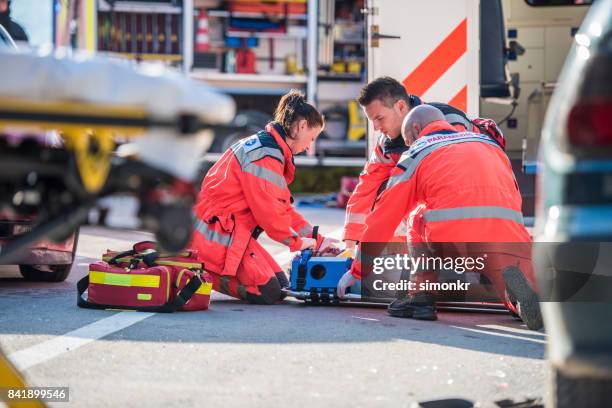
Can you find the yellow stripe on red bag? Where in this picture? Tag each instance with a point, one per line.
(118, 279)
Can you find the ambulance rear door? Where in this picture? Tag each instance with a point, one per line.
(432, 47)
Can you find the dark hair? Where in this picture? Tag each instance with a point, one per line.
(385, 89)
(293, 107)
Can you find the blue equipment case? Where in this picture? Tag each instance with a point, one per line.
(315, 278)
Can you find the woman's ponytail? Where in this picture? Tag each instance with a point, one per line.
(293, 107)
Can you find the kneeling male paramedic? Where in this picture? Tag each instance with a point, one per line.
(466, 183)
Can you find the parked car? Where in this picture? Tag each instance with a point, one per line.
(574, 219)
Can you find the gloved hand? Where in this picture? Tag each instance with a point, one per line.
(328, 245)
(350, 247)
(345, 282)
(350, 244)
(308, 243)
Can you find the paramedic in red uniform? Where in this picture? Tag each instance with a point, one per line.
(470, 195)
(247, 192)
(386, 103)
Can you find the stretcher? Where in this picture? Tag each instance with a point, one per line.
(314, 279)
(164, 120)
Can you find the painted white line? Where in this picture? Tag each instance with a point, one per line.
(512, 330)
(511, 336)
(49, 349)
(365, 318)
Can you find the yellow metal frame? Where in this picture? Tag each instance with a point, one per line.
(83, 128)
(10, 378)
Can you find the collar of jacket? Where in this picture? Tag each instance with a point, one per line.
(278, 133)
(439, 126)
(396, 145)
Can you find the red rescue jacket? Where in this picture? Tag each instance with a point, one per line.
(245, 192)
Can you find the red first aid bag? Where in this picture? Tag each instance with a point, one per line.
(147, 280)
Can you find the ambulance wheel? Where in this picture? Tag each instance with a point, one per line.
(579, 391)
(45, 273)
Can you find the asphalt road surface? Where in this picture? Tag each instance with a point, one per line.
(237, 354)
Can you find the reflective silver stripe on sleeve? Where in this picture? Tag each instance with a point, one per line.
(355, 218)
(246, 158)
(453, 118)
(266, 174)
(294, 234)
(463, 213)
(410, 163)
(401, 230)
(212, 235)
(305, 230)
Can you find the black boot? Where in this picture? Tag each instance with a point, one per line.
(528, 303)
(421, 306)
(284, 283)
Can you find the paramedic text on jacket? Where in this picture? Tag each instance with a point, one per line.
(246, 192)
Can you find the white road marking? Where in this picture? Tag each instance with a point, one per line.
(511, 336)
(512, 330)
(365, 318)
(57, 346)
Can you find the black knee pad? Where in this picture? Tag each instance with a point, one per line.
(282, 279)
(270, 293)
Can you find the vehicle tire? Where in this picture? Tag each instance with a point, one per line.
(580, 392)
(58, 273)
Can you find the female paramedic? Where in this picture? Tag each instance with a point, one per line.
(246, 192)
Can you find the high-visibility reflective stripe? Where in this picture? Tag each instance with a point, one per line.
(205, 289)
(305, 230)
(212, 235)
(120, 279)
(463, 213)
(454, 118)
(157, 261)
(246, 158)
(410, 163)
(266, 174)
(355, 218)
(177, 263)
(401, 230)
(287, 241)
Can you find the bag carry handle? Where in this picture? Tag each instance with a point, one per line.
(172, 306)
(148, 258)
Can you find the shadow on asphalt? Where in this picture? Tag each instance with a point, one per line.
(52, 310)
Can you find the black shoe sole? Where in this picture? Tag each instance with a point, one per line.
(529, 304)
(419, 313)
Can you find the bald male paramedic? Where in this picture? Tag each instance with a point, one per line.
(466, 183)
(386, 104)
